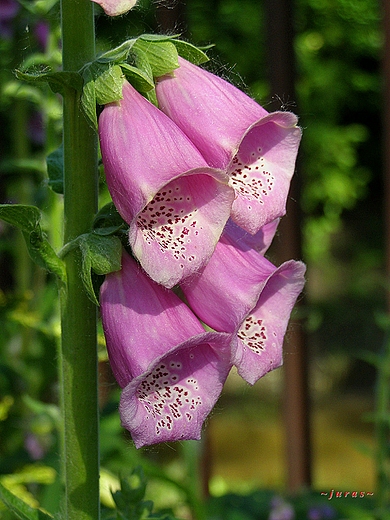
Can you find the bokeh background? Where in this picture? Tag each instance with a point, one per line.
(322, 59)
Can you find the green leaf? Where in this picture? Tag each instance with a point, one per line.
(58, 81)
(100, 254)
(20, 508)
(55, 170)
(190, 52)
(27, 219)
(108, 85)
(162, 55)
(24, 217)
(43, 254)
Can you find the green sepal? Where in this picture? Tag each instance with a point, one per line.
(102, 84)
(108, 84)
(140, 80)
(162, 55)
(100, 254)
(55, 170)
(88, 98)
(59, 82)
(190, 52)
(157, 37)
(118, 54)
(20, 508)
(142, 63)
(152, 97)
(27, 219)
(103, 80)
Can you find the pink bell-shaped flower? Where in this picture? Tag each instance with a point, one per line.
(257, 149)
(241, 292)
(171, 370)
(175, 204)
(116, 7)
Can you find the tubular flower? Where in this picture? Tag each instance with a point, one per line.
(241, 292)
(116, 7)
(257, 149)
(170, 369)
(175, 204)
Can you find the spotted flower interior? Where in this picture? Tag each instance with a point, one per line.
(260, 178)
(175, 397)
(175, 234)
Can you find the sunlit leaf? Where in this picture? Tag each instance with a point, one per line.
(190, 52)
(162, 55)
(20, 508)
(27, 219)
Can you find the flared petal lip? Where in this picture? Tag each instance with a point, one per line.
(219, 341)
(283, 119)
(219, 175)
(300, 270)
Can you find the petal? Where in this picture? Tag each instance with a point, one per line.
(116, 7)
(260, 336)
(176, 233)
(261, 171)
(145, 155)
(228, 287)
(141, 320)
(241, 292)
(233, 132)
(172, 399)
(170, 369)
(213, 113)
(244, 241)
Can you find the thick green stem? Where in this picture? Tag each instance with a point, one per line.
(79, 337)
